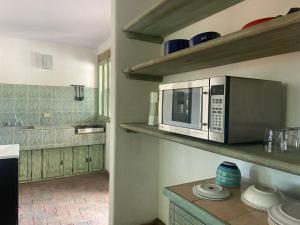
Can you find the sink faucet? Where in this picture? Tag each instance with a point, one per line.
(15, 122)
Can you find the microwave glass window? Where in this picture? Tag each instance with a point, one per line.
(217, 89)
(182, 105)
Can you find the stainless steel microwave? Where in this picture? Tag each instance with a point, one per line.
(223, 109)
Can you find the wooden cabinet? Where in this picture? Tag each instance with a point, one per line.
(60, 162)
(96, 153)
(52, 163)
(81, 159)
(36, 164)
(180, 216)
(25, 166)
(68, 161)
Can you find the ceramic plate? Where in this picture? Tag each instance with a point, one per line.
(285, 214)
(206, 198)
(271, 222)
(211, 191)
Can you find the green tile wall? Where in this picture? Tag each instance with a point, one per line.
(30, 102)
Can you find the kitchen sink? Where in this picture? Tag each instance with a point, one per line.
(26, 127)
(89, 128)
(20, 127)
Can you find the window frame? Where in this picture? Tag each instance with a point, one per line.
(104, 84)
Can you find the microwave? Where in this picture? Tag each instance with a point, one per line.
(223, 109)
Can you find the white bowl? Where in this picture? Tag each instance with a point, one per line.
(285, 214)
(262, 197)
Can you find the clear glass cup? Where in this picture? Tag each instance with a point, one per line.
(281, 141)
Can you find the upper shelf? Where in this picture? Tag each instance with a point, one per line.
(167, 16)
(274, 37)
(254, 153)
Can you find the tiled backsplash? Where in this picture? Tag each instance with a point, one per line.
(30, 102)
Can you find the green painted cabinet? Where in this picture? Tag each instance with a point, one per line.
(96, 153)
(36, 164)
(52, 163)
(25, 166)
(68, 161)
(81, 159)
(60, 162)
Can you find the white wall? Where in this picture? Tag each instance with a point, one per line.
(104, 46)
(179, 163)
(134, 158)
(19, 63)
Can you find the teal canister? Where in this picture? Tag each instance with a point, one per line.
(228, 175)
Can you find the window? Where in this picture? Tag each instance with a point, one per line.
(104, 84)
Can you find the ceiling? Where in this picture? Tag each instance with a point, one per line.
(83, 23)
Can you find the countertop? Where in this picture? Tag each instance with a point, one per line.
(8, 128)
(231, 211)
(9, 151)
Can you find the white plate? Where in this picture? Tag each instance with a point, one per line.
(206, 198)
(262, 197)
(271, 222)
(285, 214)
(211, 191)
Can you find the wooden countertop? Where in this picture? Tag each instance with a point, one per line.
(231, 211)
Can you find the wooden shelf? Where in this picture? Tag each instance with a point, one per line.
(254, 153)
(274, 37)
(168, 16)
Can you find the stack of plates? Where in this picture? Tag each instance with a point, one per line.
(284, 214)
(211, 192)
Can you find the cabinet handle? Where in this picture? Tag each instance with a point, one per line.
(90, 159)
(61, 162)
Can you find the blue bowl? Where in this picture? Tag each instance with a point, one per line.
(228, 175)
(176, 45)
(203, 37)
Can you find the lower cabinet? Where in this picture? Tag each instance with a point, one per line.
(36, 164)
(53, 163)
(178, 216)
(59, 162)
(68, 161)
(96, 156)
(81, 159)
(25, 166)
(88, 159)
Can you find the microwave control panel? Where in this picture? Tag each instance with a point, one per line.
(217, 103)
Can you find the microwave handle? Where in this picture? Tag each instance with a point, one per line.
(205, 108)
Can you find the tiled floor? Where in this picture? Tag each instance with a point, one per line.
(80, 200)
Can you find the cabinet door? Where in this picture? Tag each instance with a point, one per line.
(80, 163)
(36, 164)
(95, 158)
(68, 161)
(25, 166)
(52, 163)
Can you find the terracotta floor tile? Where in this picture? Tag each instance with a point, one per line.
(80, 200)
